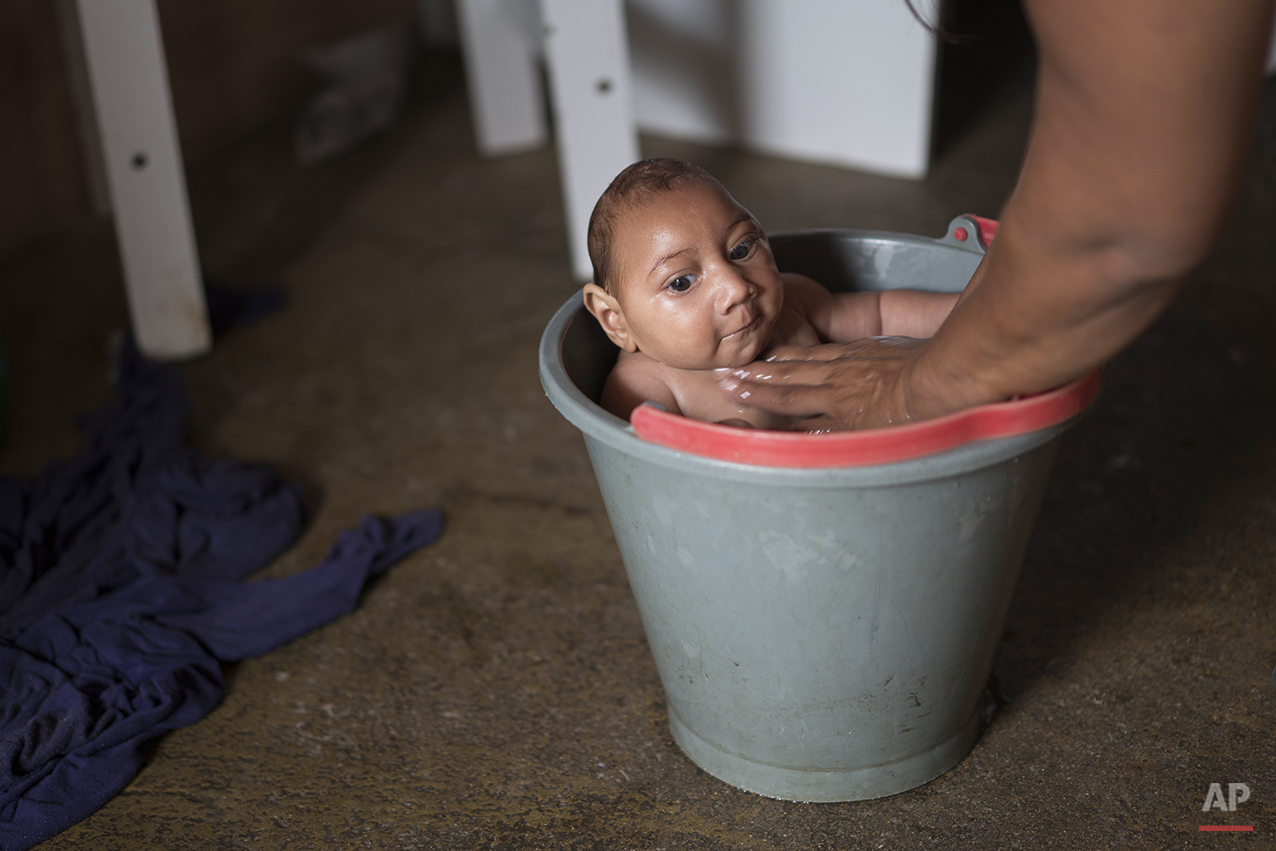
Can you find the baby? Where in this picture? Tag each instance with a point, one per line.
(685, 283)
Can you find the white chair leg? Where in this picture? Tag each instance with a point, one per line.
(500, 47)
(129, 82)
(587, 53)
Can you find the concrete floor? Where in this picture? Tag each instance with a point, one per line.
(495, 690)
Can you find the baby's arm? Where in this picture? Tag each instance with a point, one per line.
(915, 313)
(636, 379)
(846, 317)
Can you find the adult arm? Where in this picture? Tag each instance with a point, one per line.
(1143, 120)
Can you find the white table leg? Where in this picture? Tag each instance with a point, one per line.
(587, 53)
(500, 46)
(129, 82)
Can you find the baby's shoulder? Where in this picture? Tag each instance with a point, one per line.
(802, 291)
(635, 379)
(636, 366)
(803, 299)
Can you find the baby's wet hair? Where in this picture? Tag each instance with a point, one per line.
(630, 188)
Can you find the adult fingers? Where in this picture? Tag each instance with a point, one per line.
(873, 348)
(864, 387)
(839, 390)
(777, 391)
(824, 353)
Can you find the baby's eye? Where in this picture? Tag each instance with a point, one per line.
(742, 250)
(682, 283)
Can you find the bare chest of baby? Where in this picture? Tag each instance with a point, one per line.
(696, 391)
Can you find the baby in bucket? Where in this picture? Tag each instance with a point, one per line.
(685, 283)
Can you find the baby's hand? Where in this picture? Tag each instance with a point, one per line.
(736, 422)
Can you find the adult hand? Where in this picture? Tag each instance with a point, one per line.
(867, 383)
(1144, 117)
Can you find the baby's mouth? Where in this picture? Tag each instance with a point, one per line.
(745, 327)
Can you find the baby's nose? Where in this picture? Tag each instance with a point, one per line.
(733, 288)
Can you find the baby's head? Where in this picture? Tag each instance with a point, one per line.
(682, 272)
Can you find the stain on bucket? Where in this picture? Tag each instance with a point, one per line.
(822, 633)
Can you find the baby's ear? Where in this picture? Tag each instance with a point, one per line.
(609, 315)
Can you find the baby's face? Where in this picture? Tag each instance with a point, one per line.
(697, 284)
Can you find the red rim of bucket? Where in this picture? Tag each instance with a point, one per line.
(870, 446)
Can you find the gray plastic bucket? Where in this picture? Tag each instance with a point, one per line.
(821, 634)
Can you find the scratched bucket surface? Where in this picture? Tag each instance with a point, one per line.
(821, 634)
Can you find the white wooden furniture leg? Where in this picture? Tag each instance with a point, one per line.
(500, 46)
(129, 82)
(587, 53)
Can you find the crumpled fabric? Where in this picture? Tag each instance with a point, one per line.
(122, 592)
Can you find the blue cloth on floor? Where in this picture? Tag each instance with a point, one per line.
(123, 592)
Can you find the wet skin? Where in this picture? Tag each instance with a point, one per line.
(697, 289)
